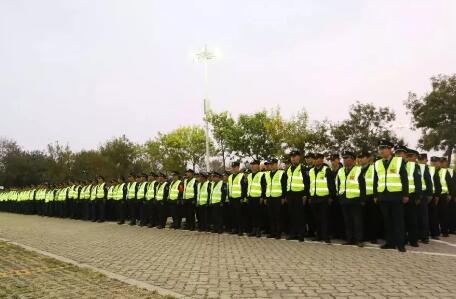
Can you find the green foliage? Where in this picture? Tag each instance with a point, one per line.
(435, 114)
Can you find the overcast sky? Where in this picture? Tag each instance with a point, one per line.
(84, 71)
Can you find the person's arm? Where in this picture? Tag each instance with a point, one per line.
(375, 183)
(124, 192)
(362, 187)
(195, 191)
(264, 186)
(417, 180)
(428, 181)
(180, 188)
(224, 192)
(105, 192)
(404, 180)
(449, 182)
(331, 183)
(437, 184)
(306, 179)
(166, 192)
(283, 183)
(244, 187)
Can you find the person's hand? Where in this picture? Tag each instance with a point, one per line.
(304, 199)
(284, 200)
(375, 200)
(405, 199)
(330, 201)
(428, 199)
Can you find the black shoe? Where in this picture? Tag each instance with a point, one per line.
(301, 239)
(120, 222)
(348, 243)
(316, 239)
(414, 244)
(386, 246)
(270, 236)
(373, 241)
(291, 237)
(240, 234)
(278, 236)
(359, 244)
(401, 249)
(160, 227)
(251, 234)
(258, 234)
(425, 241)
(435, 238)
(445, 235)
(328, 241)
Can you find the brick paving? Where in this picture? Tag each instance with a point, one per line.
(25, 274)
(205, 265)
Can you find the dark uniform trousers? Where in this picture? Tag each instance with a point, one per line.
(353, 219)
(434, 217)
(122, 208)
(274, 205)
(452, 209)
(337, 219)
(144, 212)
(189, 208)
(444, 214)
(217, 217)
(373, 220)
(393, 218)
(175, 212)
(423, 219)
(411, 219)
(162, 209)
(133, 210)
(320, 209)
(295, 214)
(254, 213)
(201, 214)
(100, 212)
(152, 213)
(236, 215)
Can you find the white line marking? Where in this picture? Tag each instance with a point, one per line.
(444, 242)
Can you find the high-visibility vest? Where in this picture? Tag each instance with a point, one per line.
(450, 171)
(189, 188)
(111, 192)
(216, 193)
(369, 178)
(31, 195)
(202, 196)
(93, 192)
(119, 192)
(49, 196)
(174, 190)
(442, 177)
(410, 166)
(423, 182)
(318, 182)
(161, 191)
(274, 184)
(389, 179)
(88, 192)
(141, 194)
(349, 185)
(71, 192)
(254, 184)
(131, 190)
(234, 185)
(150, 193)
(100, 191)
(432, 173)
(62, 194)
(295, 181)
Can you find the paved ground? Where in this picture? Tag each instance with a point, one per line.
(25, 274)
(226, 266)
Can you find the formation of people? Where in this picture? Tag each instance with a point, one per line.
(399, 197)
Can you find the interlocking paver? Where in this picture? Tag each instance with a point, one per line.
(211, 265)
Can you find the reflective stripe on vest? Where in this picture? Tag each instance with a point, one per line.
(234, 185)
(131, 190)
(174, 190)
(319, 182)
(189, 188)
(150, 193)
(161, 191)
(274, 184)
(369, 178)
(216, 193)
(111, 192)
(141, 191)
(442, 176)
(119, 192)
(202, 193)
(100, 191)
(254, 184)
(410, 166)
(423, 182)
(389, 179)
(295, 181)
(349, 185)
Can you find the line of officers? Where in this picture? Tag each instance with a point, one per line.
(398, 198)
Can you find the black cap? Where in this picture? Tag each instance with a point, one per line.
(189, 171)
(443, 159)
(295, 153)
(422, 156)
(161, 174)
(385, 143)
(310, 155)
(274, 161)
(152, 174)
(236, 164)
(215, 173)
(364, 154)
(203, 174)
(175, 173)
(318, 156)
(334, 156)
(266, 162)
(400, 148)
(255, 162)
(412, 152)
(348, 154)
(434, 159)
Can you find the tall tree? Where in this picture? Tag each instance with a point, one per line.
(435, 114)
(363, 129)
(222, 130)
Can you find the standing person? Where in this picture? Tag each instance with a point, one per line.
(92, 202)
(322, 192)
(149, 214)
(237, 190)
(161, 197)
(256, 192)
(351, 188)
(189, 201)
(120, 198)
(391, 188)
(100, 201)
(433, 210)
(202, 202)
(335, 210)
(140, 197)
(176, 189)
(425, 199)
(110, 212)
(132, 205)
(443, 193)
(297, 190)
(308, 216)
(275, 197)
(372, 215)
(217, 200)
(415, 192)
(451, 195)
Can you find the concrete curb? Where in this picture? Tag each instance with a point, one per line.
(121, 278)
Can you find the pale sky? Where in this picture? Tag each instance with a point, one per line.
(84, 71)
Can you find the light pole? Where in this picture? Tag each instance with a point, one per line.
(205, 56)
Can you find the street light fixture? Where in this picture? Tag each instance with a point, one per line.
(204, 56)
